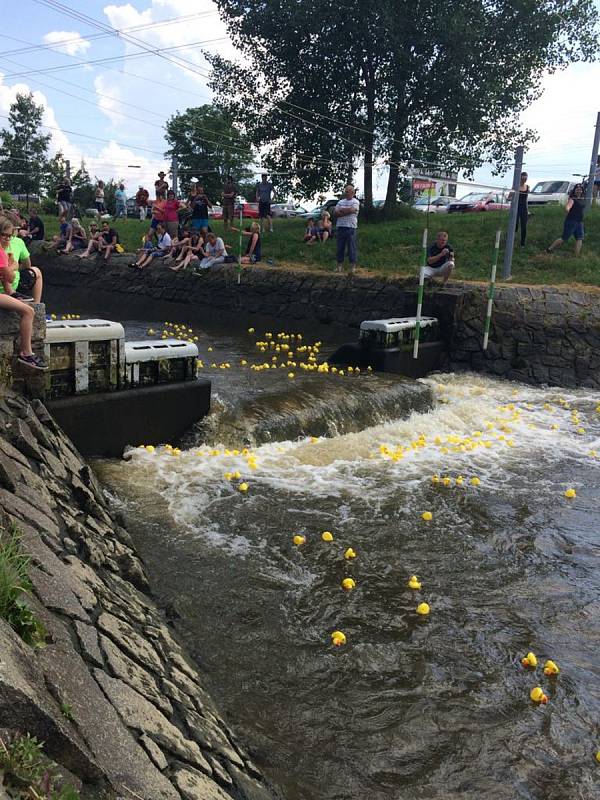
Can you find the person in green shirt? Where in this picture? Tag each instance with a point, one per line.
(32, 276)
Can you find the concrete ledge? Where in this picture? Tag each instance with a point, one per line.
(104, 424)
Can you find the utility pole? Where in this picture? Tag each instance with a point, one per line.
(593, 165)
(174, 174)
(512, 217)
(68, 169)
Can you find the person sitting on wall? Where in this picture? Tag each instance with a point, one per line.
(8, 302)
(108, 241)
(440, 258)
(64, 230)
(253, 252)
(163, 246)
(191, 253)
(215, 252)
(35, 227)
(76, 240)
(28, 278)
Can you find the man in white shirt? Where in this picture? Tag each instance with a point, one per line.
(346, 213)
(215, 251)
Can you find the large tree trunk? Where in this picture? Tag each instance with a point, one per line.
(391, 194)
(369, 78)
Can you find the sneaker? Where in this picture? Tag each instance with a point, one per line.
(32, 361)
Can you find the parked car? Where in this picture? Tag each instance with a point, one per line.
(433, 205)
(316, 212)
(249, 210)
(287, 210)
(479, 201)
(550, 192)
(216, 212)
(133, 210)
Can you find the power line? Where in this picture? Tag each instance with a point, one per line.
(126, 56)
(95, 36)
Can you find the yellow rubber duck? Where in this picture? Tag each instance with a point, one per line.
(435, 478)
(338, 638)
(149, 448)
(290, 374)
(551, 668)
(530, 660)
(427, 516)
(570, 494)
(250, 330)
(538, 696)
(414, 582)
(475, 481)
(348, 584)
(423, 609)
(299, 540)
(460, 480)
(598, 753)
(228, 476)
(327, 536)
(447, 481)
(350, 554)
(243, 488)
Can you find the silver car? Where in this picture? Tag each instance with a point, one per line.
(433, 205)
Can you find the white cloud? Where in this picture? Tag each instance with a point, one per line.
(69, 42)
(108, 98)
(106, 161)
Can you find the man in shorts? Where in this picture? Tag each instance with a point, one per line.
(440, 258)
(264, 193)
(228, 195)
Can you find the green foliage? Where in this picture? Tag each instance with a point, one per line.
(437, 86)
(23, 148)
(208, 146)
(5, 199)
(83, 188)
(67, 711)
(28, 774)
(56, 170)
(14, 585)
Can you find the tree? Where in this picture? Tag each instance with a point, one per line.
(83, 188)
(208, 146)
(410, 82)
(23, 149)
(56, 171)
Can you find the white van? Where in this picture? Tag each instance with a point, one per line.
(550, 192)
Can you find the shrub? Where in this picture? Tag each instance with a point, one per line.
(14, 586)
(26, 773)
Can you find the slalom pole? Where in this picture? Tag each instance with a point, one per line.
(420, 295)
(491, 290)
(240, 261)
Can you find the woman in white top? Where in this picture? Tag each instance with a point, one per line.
(99, 198)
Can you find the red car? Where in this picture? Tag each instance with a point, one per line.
(479, 201)
(249, 210)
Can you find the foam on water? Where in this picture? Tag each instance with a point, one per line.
(478, 426)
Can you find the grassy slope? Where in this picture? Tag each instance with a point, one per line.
(394, 247)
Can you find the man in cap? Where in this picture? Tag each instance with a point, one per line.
(161, 186)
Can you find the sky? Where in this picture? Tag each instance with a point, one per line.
(111, 112)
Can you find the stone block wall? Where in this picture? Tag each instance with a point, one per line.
(12, 373)
(139, 722)
(539, 335)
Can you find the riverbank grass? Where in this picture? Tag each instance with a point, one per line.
(394, 248)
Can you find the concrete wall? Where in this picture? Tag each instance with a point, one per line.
(539, 334)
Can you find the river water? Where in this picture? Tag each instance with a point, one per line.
(427, 708)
